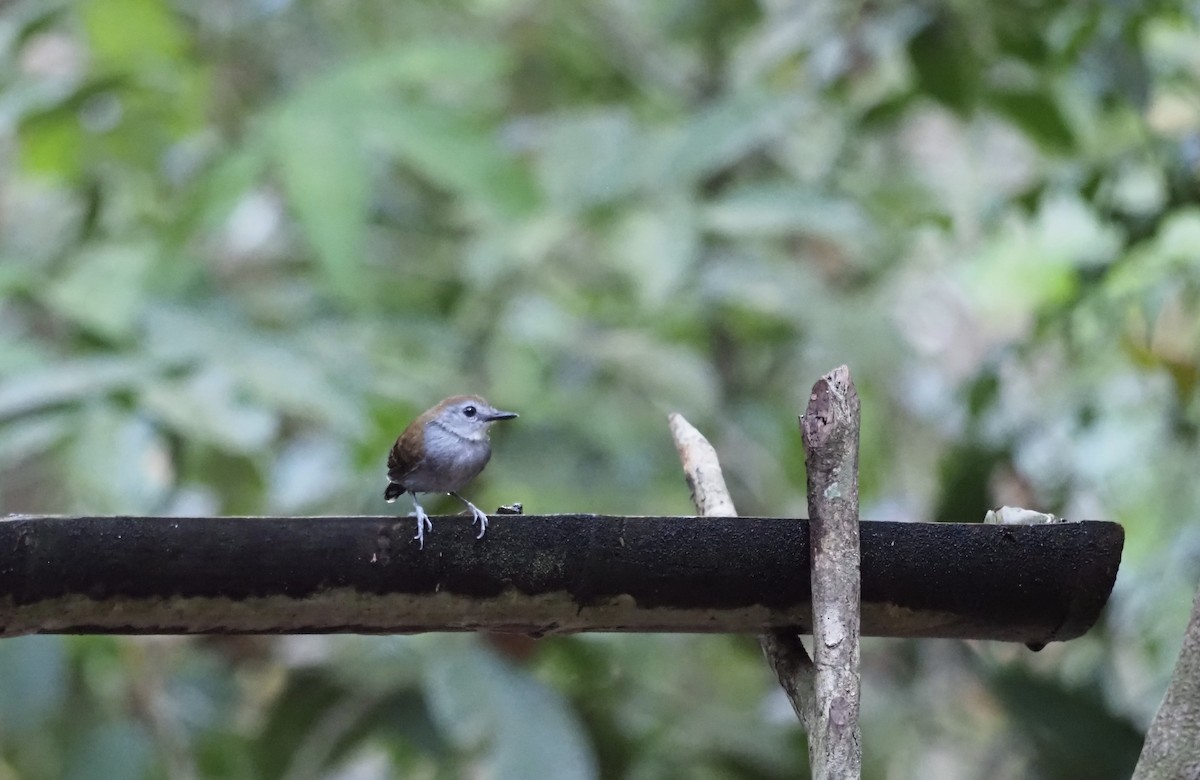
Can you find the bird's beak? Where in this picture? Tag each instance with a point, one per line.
(501, 416)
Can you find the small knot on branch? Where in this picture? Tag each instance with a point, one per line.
(833, 393)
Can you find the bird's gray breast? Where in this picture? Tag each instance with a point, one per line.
(451, 461)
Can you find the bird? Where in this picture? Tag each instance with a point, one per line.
(440, 452)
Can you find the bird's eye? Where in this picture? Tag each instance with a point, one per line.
(469, 411)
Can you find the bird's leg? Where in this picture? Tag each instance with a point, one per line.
(423, 522)
(478, 515)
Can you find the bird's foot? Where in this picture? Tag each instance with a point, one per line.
(423, 522)
(480, 517)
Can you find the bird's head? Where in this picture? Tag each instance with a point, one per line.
(468, 416)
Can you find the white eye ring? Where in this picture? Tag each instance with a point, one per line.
(469, 411)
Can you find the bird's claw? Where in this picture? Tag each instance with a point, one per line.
(481, 517)
(477, 515)
(423, 522)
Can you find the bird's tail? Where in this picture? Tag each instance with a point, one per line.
(392, 492)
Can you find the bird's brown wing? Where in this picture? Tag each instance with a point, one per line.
(406, 454)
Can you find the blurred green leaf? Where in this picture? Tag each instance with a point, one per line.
(1038, 115)
(946, 64)
(207, 407)
(71, 381)
(657, 249)
(34, 674)
(132, 34)
(119, 748)
(472, 693)
(445, 63)
(52, 143)
(721, 134)
(267, 366)
(588, 158)
(30, 436)
(325, 176)
(1070, 731)
(137, 471)
(457, 153)
(102, 290)
(306, 472)
(319, 723)
(1070, 229)
(779, 210)
(668, 374)
(307, 695)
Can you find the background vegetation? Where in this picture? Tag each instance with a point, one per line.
(241, 244)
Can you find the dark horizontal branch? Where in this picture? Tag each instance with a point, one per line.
(539, 574)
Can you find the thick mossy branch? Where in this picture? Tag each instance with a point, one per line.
(539, 574)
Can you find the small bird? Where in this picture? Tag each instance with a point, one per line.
(440, 452)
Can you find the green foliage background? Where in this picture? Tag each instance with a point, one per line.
(242, 244)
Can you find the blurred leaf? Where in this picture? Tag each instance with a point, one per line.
(472, 694)
(446, 63)
(1020, 33)
(160, 92)
(966, 474)
(721, 134)
(316, 723)
(662, 372)
(136, 472)
(52, 143)
(755, 283)
(102, 289)
(34, 671)
(457, 153)
(221, 186)
(1123, 67)
(118, 748)
(1069, 228)
(325, 175)
(207, 407)
(1038, 115)
(611, 169)
(293, 715)
(132, 34)
(31, 435)
(780, 210)
(1071, 731)
(657, 248)
(1015, 277)
(307, 471)
(947, 64)
(14, 277)
(266, 365)
(71, 381)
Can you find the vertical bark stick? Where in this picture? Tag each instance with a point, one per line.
(784, 650)
(1172, 747)
(830, 429)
